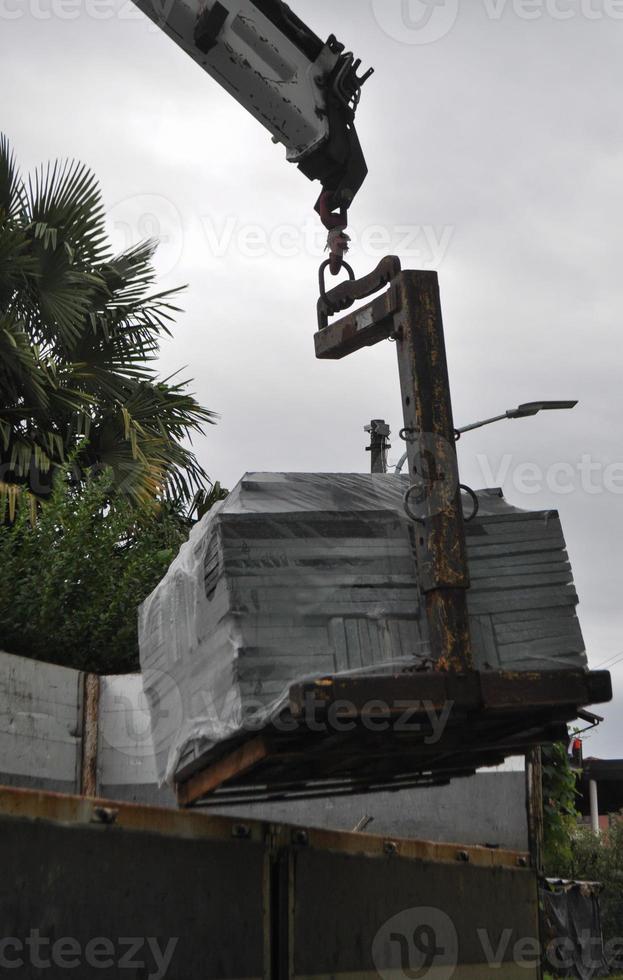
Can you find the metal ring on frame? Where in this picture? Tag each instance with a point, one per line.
(476, 502)
(407, 507)
(321, 275)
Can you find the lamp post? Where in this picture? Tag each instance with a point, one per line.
(521, 412)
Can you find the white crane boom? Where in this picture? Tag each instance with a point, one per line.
(303, 90)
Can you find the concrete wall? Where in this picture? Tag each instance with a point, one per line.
(42, 725)
(126, 765)
(488, 808)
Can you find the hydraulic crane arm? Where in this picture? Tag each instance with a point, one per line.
(304, 91)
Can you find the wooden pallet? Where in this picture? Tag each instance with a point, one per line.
(342, 735)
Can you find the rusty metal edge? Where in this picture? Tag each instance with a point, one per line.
(90, 734)
(342, 296)
(415, 850)
(481, 691)
(81, 811)
(239, 762)
(192, 825)
(364, 327)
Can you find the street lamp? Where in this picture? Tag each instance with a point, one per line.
(521, 412)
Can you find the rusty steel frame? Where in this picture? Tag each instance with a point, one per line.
(409, 312)
(29, 805)
(479, 691)
(494, 714)
(39, 805)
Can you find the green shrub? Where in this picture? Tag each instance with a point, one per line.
(599, 857)
(72, 580)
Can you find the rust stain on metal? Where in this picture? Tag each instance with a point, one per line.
(312, 761)
(440, 544)
(343, 296)
(193, 825)
(234, 765)
(363, 328)
(373, 845)
(61, 808)
(410, 313)
(90, 735)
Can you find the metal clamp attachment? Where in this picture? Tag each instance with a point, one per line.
(406, 500)
(346, 294)
(408, 435)
(322, 279)
(475, 501)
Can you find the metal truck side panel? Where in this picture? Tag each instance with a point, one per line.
(402, 918)
(234, 901)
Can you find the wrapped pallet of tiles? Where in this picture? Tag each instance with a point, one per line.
(298, 576)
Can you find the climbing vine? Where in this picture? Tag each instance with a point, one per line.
(560, 815)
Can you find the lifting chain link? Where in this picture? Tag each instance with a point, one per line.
(336, 224)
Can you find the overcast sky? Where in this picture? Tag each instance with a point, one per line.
(494, 136)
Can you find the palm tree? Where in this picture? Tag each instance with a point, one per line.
(79, 332)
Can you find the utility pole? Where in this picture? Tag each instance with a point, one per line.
(379, 444)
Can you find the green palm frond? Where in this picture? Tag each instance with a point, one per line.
(12, 193)
(204, 500)
(24, 380)
(64, 202)
(144, 442)
(80, 329)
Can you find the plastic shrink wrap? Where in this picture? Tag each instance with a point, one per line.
(295, 576)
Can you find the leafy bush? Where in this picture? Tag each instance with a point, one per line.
(599, 857)
(72, 580)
